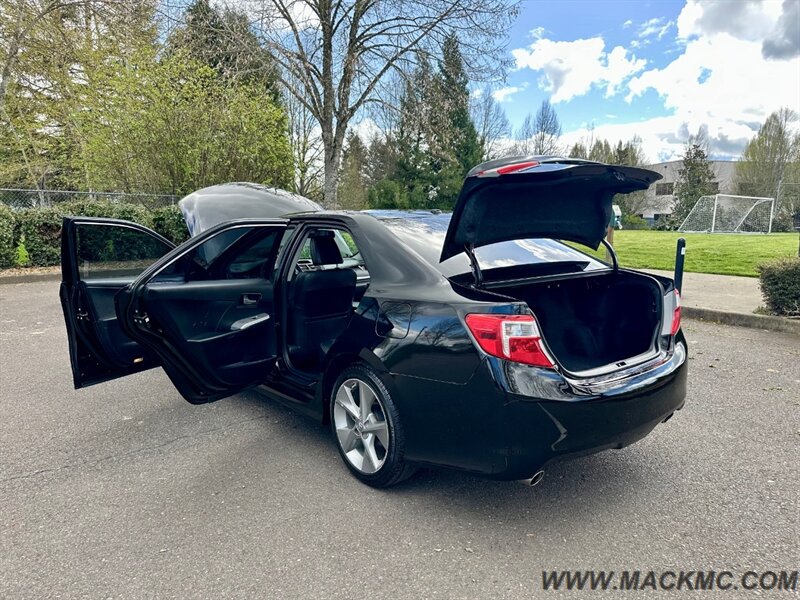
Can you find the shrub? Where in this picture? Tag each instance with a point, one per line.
(168, 221)
(110, 210)
(22, 258)
(780, 285)
(7, 247)
(634, 222)
(39, 229)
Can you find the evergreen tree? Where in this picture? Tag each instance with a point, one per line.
(415, 144)
(695, 179)
(223, 40)
(352, 192)
(455, 147)
(578, 150)
(455, 94)
(601, 152)
(436, 142)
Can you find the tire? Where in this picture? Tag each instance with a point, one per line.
(366, 428)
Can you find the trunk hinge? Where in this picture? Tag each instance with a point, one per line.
(612, 254)
(473, 263)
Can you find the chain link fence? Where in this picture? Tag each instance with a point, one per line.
(18, 199)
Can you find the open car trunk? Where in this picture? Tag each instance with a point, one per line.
(595, 322)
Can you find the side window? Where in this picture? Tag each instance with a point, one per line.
(239, 253)
(253, 258)
(321, 250)
(108, 251)
(347, 246)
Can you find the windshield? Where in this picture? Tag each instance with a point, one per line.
(424, 233)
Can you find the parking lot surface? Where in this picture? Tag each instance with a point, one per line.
(125, 490)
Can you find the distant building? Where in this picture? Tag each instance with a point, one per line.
(660, 198)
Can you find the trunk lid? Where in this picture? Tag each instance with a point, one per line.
(217, 204)
(538, 197)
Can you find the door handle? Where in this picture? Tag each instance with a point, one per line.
(250, 299)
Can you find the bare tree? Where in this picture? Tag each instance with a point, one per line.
(547, 130)
(335, 54)
(523, 137)
(539, 134)
(306, 142)
(491, 122)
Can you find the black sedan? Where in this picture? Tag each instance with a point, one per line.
(476, 340)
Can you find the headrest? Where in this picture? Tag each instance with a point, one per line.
(324, 250)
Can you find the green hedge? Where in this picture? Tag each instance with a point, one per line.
(780, 285)
(39, 229)
(168, 221)
(634, 222)
(8, 251)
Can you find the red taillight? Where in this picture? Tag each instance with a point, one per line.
(513, 337)
(676, 315)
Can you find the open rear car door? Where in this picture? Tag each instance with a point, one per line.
(203, 311)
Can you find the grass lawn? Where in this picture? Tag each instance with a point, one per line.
(725, 254)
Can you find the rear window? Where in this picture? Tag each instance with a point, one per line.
(425, 235)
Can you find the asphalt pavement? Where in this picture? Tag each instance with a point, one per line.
(125, 490)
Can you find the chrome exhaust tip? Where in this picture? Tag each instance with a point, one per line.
(535, 480)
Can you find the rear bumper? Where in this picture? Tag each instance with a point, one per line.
(545, 431)
(514, 420)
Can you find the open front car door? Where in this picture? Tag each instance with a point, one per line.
(204, 311)
(100, 257)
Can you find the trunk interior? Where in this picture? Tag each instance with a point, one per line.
(591, 322)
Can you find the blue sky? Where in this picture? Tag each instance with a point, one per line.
(660, 69)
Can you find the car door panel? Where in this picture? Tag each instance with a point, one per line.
(210, 327)
(209, 320)
(199, 317)
(119, 349)
(99, 257)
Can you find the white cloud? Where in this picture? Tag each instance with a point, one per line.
(655, 27)
(537, 33)
(784, 41)
(724, 82)
(732, 63)
(627, 24)
(570, 69)
(749, 20)
(663, 138)
(719, 81)
(504, 94)
(775, 24)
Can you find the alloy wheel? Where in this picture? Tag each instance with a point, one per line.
(361, 426)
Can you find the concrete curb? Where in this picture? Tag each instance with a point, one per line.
(753, 321)
(11, 279)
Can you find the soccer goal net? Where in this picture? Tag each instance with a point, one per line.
(723, 213)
